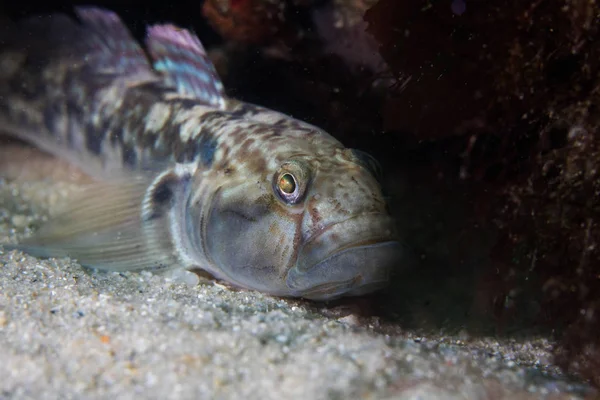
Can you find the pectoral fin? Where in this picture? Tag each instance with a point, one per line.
(117, 226)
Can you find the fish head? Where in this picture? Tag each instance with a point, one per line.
(310, 222)
(349, 243)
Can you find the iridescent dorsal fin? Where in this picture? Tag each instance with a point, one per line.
(181, 58)
(111, 45)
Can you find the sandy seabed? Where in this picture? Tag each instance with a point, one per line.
(67, 332)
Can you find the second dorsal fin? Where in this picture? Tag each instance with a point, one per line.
(179, 55)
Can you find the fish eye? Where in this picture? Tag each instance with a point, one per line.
(290, 182)
(287, 183)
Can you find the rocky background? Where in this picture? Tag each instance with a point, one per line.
(484, 115)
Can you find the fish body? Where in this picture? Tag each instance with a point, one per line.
(185, 176)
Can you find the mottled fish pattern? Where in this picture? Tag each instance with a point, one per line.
(185, 176)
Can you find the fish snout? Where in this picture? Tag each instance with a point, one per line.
(348, 258)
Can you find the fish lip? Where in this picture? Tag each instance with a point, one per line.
(324, 279)
(349, 233)
(327, 291)
(323, 231)
(334, 290)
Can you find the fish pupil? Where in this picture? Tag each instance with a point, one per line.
(287, 184)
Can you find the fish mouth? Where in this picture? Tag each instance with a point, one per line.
(349, 258)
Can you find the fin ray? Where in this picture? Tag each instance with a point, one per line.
(112, 45)
(118, 226)
(180, 56)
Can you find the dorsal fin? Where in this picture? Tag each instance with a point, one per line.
(179, 55)
(111, 46)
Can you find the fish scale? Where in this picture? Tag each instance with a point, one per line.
(186, 177)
